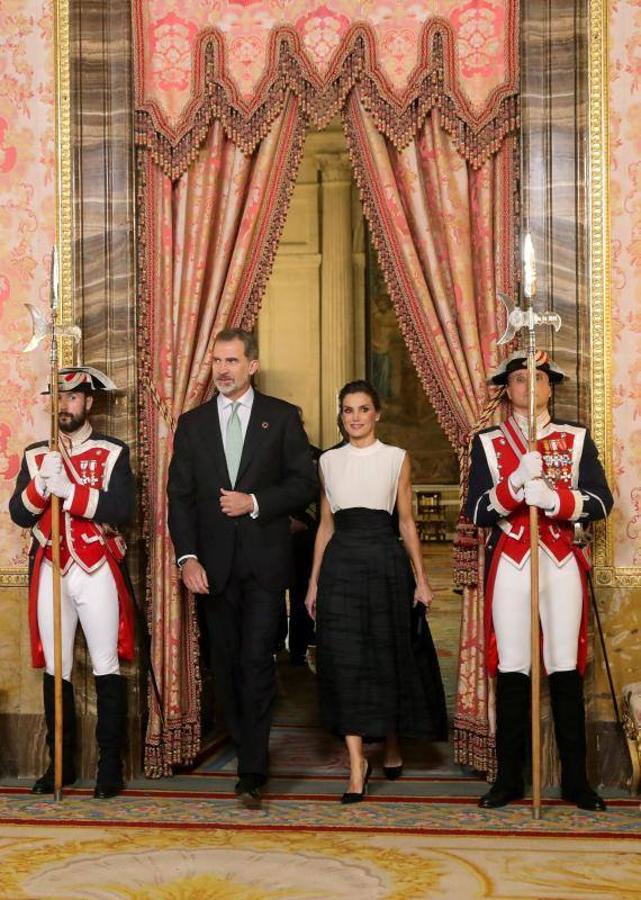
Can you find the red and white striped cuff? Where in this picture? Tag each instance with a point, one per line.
(82, 501)
(569, 505)
(33, 499)
(503, 498)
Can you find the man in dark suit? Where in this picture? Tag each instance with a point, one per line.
(241, 466)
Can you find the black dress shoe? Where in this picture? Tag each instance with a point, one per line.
(358, 796)
(248, 790)
(500, 796)
(45, 784)
(250, 797)
(107, 790)
(393, 773)
(585, 798)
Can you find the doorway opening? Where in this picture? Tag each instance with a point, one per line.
(327, 318)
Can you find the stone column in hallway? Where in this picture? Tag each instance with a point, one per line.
(337, 302)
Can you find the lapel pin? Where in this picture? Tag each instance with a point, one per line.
(264, 424)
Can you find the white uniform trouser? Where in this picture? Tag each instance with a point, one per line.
(560, 609)
(91, 599)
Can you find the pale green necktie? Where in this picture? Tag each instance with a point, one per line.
(233, 443)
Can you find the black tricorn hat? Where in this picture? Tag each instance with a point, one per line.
(82, 379)
(518, 360)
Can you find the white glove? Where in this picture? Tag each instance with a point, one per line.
(531, 466)
(537, 493)
(60, 485)
(51, 465)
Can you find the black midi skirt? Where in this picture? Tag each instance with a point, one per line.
(374, 678)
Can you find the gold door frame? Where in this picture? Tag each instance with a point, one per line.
(18, 575)
(64, 167)
(600, 283)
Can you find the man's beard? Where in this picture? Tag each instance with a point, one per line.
(69, 423)
(226, 387)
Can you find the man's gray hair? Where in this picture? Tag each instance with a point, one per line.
(247, 337)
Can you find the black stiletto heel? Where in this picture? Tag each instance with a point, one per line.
(358, 796)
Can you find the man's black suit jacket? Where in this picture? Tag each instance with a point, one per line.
(276, 466)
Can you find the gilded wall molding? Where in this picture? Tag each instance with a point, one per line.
(600, 282)
(14, 576)
(63, 164)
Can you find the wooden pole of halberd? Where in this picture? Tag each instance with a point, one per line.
(534, 594)
(56, 575)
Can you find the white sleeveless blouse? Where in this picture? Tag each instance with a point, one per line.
(362, 476)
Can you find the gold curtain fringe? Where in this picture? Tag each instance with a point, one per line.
(475, 141)
(247, 306)
(177, 742)
(178, 745)
(474, 748)
(144, 348)
(452, 423)
(468, 536)
(143, 342)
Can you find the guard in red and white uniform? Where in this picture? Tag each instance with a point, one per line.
(565, 480)
(91, 475)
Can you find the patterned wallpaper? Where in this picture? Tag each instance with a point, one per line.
(26, 237)
(625, 188)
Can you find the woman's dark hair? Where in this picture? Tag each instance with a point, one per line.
(359, 387)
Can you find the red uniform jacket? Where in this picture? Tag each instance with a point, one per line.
(571, 467)
(101, 500)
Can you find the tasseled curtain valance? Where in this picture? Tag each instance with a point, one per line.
(237, 61)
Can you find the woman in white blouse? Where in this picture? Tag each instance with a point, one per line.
(361, 591)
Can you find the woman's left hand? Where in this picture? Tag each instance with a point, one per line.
(423, 594)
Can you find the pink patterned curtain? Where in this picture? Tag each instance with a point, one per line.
(206, 245)
(444, 231)
(429, 95)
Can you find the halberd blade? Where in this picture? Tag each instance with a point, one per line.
(41, 328)
(554, 319)
(72, 331)
(510, 330)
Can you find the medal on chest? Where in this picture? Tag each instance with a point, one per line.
(557, 459)
(90, 468)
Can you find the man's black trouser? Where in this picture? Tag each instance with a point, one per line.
(242, 625)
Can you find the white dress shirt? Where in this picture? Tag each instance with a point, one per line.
(224, 405)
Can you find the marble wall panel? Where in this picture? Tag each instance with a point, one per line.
(554, 67)
(104, 272)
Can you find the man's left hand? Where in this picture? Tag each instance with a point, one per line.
(233, 503)
(538, 493)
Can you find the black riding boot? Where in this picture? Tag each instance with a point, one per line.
(110, 730)
(568, 710)
(512, 729)
(45, 784)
